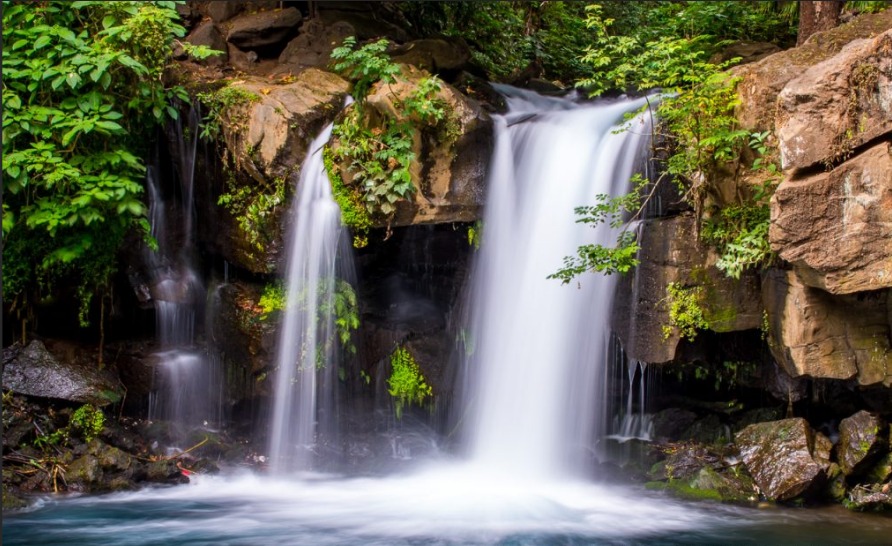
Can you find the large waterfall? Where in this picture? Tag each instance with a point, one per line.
(306, 361)
(535, 378)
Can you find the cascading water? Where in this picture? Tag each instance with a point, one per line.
(536, 375)
(319, 258)
(187, 388)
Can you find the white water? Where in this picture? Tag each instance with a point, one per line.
(188, 385)
(537, 374)
(306, 360)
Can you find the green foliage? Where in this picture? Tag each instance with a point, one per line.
(685, 311)
(354, 213)
(226, 107)
(88, 420)
(378, 156)
(77, 77)
(406, 384)
(620, 258)
(740, 232)
(272, 299)
(344, 307)
(254, 208)
(475, 234)
(365, 66)
(337, 299)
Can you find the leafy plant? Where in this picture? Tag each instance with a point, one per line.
(406, 384)
(225, 107)
(685, 311)
(78, 77)
(378, 155)
(614, 211)
(254, 208)
(272, 299)
(88, 420)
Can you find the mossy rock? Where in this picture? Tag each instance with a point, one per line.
(12, 501)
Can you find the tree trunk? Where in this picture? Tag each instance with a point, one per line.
(815, 16)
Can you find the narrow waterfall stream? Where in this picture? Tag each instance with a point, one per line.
(319, 256)
(188, 384)
(537, 372)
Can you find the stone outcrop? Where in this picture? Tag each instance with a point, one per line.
(449, 173)
(314, 44)
(263, 28)
(762, 81)
(436, 55)
(267, 138)
(671, 252)
(812, 333)
(836, 227)
(837, 105)
(786, 458)
(207, 34)
(863, 438)
(35, 371)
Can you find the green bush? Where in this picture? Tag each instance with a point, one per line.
(406, 384)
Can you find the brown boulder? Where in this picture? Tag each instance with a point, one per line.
(863, 438)
(836, 227)
(816, 334)
(837, 105)
(785, 458)
(207, 34)
(762, 81)
(263, 28)
(314, 44)
(435, 55)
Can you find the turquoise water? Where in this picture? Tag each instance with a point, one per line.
(448, 505)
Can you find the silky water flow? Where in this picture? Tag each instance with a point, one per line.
(532, 386)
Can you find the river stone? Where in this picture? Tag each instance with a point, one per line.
(35, 371)
(836, 227)
(780, 455)
(836, 105)
(881, 471)
(863, 439)
(813, 333)
(83, 473)
(873, 497)
(263, 28)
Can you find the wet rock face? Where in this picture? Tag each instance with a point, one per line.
(836, 227)
(863, 438)
(813, 333)
(671, 252)
(786, 458)
(35, 371)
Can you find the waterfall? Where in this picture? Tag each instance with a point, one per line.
(319, 257)
(187, 384)
(536, 376)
